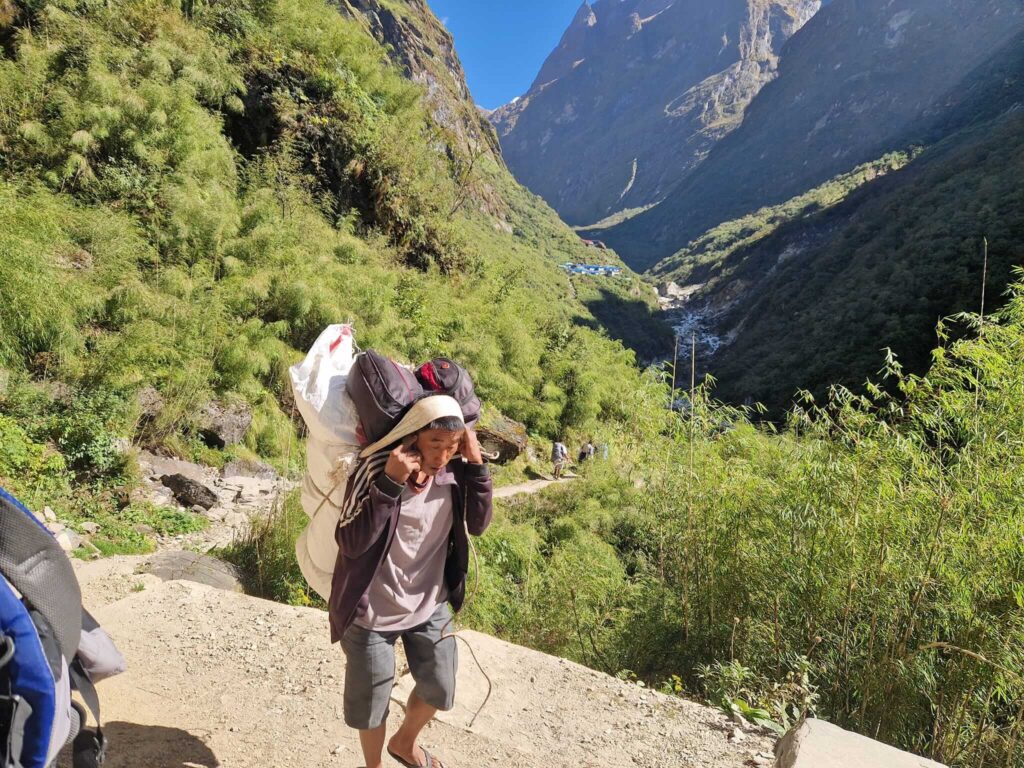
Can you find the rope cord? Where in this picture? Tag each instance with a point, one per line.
(455, 635)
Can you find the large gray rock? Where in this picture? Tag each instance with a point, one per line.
(190, 566)
(154, 466)
(248, 468)
(817, 744)
(224, 424)
(504, 437)
(188, 492)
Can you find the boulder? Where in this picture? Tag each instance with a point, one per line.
(90, 528)
(151, 402)
(188, 492)
(224, 424)
(191, 566)
(504, 437)
(154, 466)
(817, 744)
(69, 540)
(248, 468)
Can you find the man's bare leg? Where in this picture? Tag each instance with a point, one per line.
(417, 714)
(372, 742)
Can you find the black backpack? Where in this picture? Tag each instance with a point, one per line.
(382, 392)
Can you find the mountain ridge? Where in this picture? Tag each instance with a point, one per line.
(861, 73)
(635, 95)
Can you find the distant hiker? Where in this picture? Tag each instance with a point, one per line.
(586, 452)
(403, 557)
(559, 457)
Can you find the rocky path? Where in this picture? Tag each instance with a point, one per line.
(533, 486)
(221, 679)
(217, 678)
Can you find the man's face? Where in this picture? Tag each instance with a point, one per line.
(438, 447)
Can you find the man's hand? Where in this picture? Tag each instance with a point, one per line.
(469, 447)
(403, 461)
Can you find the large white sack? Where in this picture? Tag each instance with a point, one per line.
(318, 383)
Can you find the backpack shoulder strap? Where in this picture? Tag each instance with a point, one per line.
(90, 747)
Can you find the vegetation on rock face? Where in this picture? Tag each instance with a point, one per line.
(877, 271)
(705, 261)
(188, 195)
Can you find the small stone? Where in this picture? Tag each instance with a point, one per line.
(69, 540)
(90, 528)
(737, 736)
(49, 515)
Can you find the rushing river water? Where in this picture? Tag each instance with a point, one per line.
(693, 324)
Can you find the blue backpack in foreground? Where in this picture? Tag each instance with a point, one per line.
(49, 646)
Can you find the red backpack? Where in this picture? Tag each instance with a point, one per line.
(446, 377)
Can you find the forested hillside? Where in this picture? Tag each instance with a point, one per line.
(189, 196)
(812, 297)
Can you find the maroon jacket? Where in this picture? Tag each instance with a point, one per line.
(364, 543)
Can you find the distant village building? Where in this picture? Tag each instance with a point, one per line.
(598, 270)
(594, 244)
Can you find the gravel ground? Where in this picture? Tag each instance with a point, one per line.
(221, 679)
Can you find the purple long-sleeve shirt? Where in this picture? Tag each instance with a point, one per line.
(364, 543)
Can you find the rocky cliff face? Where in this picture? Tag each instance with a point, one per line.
(850, 84)
(419, 43)
(637, 93)
(813, 304)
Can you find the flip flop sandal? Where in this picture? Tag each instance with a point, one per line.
(407, 764)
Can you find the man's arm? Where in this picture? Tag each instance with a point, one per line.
(374, 513)
(381, 503)
(478, 485)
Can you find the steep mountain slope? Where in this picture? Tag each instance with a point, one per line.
(187, 199)
(850, 83)
(636, 94)
(814, 303)
(421, 45)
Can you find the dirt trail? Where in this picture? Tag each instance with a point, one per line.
(217, 678)
(221, 679)
(532, 486)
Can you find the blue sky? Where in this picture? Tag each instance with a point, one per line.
(502, 43)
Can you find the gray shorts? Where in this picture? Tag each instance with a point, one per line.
(370, 668)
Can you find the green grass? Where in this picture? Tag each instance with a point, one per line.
(705, 261)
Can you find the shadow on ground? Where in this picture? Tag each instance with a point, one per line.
(151, 746)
